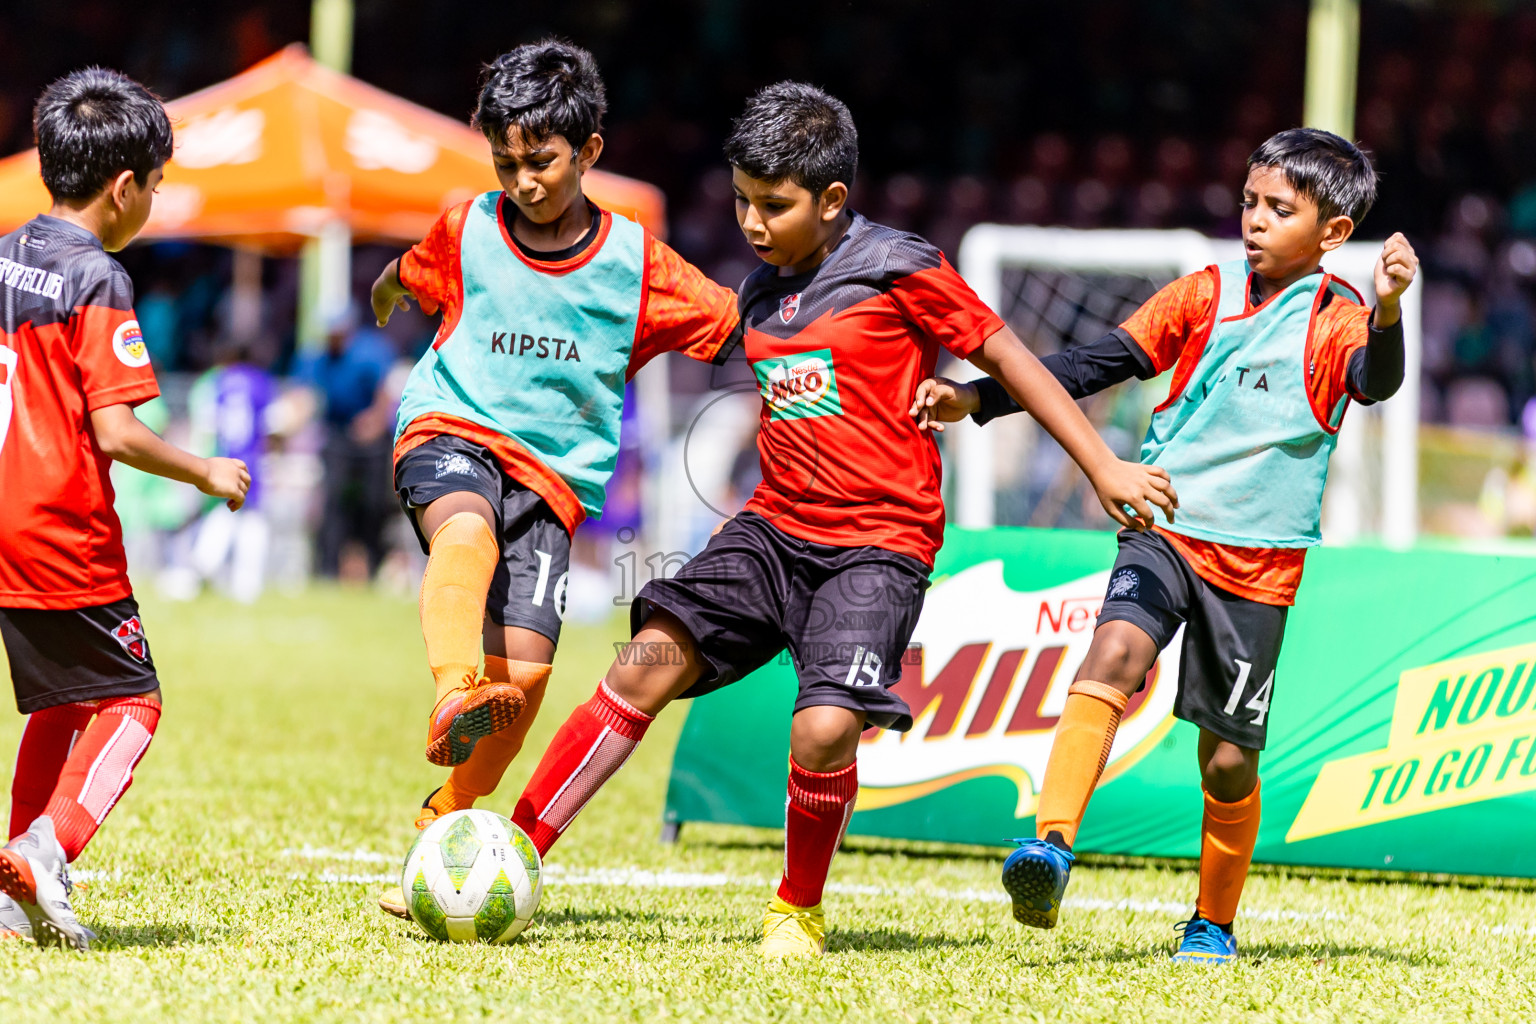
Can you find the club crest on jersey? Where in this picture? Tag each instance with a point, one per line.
(789, 305)
(1126, 583)
(128, 344)
(130, 635)
(799, 386)
(454, 464)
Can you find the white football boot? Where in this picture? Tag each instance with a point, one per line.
(35, 873)
(14, 923)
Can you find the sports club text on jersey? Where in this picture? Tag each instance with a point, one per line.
(36, 280)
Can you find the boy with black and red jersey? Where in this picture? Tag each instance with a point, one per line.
(831, 556)
(72, 367)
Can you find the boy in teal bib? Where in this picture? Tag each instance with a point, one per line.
(508, 427)
(1266, 355)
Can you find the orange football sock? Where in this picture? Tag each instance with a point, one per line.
(1228, 836)
(453, 589)
(481, 774)
(1078, 755)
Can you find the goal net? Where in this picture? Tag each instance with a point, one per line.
(1058, 287)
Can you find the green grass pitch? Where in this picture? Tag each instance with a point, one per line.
(236, 882)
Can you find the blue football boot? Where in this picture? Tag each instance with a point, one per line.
(1204, 943)
(1035, 876)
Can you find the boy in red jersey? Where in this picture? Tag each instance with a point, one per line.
(72, 367)
(509, 425)
(1266, 353)
(832, 554)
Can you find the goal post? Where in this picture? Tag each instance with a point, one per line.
(1061, 286)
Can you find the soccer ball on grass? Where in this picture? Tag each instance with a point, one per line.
(472, 876)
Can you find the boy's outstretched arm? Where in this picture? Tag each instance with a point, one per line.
(1082, 369)
(1119, 484)
(1376, 370)
(121, 437)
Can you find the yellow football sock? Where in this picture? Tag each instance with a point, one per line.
(1078, 755)
(458, 577)
(481, 774)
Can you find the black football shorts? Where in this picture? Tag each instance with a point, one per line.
(528, 586)
(1231, 644)
(845, 615)
(64, 656)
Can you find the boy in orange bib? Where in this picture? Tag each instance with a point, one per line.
(1266, 353)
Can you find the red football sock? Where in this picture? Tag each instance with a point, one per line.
(592, 744)
(100, 769)
(49, 736)
(815, 818)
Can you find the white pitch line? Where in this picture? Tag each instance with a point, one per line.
(641, 878)
(332, 878)
(326, 853)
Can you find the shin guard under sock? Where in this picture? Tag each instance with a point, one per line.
(464, 553)
(1228, 835)
(481, 774)
(49, 736)
(815, 818)
(592, 744)
(1078, 756)
(100, 769)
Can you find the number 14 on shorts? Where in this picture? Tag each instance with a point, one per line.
(1260, 701)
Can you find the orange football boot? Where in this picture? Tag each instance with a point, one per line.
(472, 710)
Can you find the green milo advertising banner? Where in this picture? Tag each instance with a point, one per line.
(1402, 717)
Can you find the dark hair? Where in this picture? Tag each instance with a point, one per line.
(1329, 170)
(542, 89)
(93, 124)
(793, 131)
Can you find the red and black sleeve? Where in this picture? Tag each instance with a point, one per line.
(108, 346)
(933, 296)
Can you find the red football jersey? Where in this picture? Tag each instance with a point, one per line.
(69, 344)
(838, 353)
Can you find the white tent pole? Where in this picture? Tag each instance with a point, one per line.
(245, 295)
(325, 263)
(1333, 54)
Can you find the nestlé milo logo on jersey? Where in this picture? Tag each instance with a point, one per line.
(799, 386)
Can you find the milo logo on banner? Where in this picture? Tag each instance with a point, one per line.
(799, 386)
(989, 687)
(1462, 731)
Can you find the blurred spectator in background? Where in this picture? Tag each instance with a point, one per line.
(1508, 501)
(228, 409)
(160, 320)
(350, 374)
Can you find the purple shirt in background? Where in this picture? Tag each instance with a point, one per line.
(241, 394)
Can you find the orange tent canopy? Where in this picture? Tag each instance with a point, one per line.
(269, 156)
